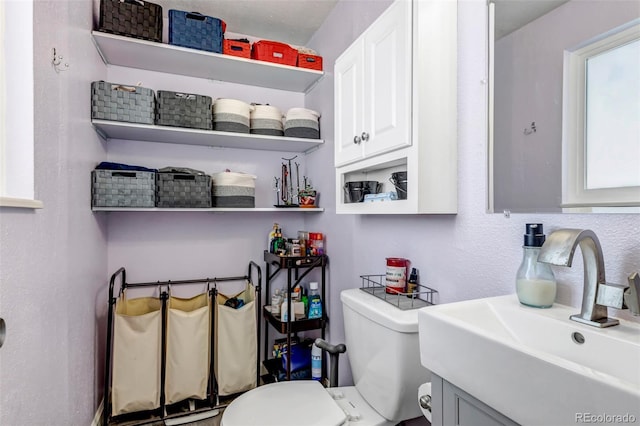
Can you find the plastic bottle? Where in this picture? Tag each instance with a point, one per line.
(535, 282)
(316, 362)
(276, 302)
(272, 235)
(284, 310)
(315, 303)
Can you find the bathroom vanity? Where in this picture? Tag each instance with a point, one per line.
(495, 361)
(450, 405)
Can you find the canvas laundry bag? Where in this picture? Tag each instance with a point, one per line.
(236, 343)
(137, 336)
(188, 342)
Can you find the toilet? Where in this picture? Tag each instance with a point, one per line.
(384, 354)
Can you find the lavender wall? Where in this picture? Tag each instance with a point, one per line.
(53, 261)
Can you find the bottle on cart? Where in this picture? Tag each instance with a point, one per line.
(278, 243)
(276, 302)
(315, 302)
(284, 310)
(316, 362)
(272, 235)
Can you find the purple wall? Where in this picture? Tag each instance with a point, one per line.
(55, 262)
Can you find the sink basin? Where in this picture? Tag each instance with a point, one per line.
(535, 366)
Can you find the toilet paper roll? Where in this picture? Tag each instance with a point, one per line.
(423, 391)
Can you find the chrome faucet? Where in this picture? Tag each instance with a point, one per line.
(597, 295)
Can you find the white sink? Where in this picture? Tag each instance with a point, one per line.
(524, 361)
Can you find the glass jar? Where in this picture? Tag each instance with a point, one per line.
(535, 282)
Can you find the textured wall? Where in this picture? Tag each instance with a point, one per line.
(53, 261)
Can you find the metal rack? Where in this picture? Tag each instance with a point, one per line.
(375, 285)
(212, 401)
(297, 268)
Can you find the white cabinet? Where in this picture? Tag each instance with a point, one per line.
(397, 84)
(373, 89)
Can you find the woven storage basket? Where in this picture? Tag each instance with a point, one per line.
(240, 48)
(231, 115)
(123, 188)
(313, 62)
(302, 123)
(117, 102)
(138, 19)
(273, 51)
(266, 120)
(183, 190)
(233, 189)
(195, 30)
(183, 110)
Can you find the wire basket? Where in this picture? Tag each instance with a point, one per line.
(421, 297)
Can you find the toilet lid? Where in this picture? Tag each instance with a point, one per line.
(296, 403)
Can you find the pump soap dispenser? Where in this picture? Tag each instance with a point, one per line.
(535, 282)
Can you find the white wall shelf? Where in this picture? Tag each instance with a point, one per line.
(208, 209)
(152, 56)
(186, 136)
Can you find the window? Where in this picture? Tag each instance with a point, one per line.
(16, 110)
(601, 123)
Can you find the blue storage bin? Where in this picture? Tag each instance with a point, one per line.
(195, 30)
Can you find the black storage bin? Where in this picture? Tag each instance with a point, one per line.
(183, 190)
(117, 102)
(195, 30)
(123, 188)
(132, 18)
(184, 110)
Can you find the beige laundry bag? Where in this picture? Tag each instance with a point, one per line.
(136, 355)
(236, 343)
(188, 342)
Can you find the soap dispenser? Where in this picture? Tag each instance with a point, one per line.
(535, 282)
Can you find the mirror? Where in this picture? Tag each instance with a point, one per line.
(530, 41)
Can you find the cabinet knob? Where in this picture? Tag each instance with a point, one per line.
(425, 402)
(365, 136)
(357, 140)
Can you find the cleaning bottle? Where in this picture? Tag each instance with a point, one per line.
(316, 362)
(535, 282)
(315, 303)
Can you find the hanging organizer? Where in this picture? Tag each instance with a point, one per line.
(144, 383)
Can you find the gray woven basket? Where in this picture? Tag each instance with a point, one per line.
(117, 102)
(120, 188)
(184, 110)
(133, 19)
(183, 190)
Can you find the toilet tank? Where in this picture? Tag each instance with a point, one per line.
(384, 354)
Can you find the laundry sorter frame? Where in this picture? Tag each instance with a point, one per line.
(163, 294)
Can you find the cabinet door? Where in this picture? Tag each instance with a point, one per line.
(349, 111)
(387, 91)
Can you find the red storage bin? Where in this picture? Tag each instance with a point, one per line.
(273, 51)
(237, 48)
(313, 62)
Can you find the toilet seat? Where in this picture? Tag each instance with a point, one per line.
(295, 403)
(301, 403)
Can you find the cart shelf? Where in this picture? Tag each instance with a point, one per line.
(296, 326)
